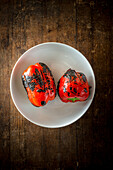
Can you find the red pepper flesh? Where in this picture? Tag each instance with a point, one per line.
(73, 86)
(39, 84)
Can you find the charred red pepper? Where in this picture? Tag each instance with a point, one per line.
(73, 86)
(39, 84)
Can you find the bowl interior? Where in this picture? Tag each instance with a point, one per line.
(59, 58)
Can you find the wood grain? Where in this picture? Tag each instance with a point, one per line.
(86, 26)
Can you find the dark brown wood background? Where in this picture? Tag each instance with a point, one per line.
(87, 26)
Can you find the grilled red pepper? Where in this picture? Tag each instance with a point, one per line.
(73, 86)
(39, 84)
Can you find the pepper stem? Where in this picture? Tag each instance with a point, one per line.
(73, 99)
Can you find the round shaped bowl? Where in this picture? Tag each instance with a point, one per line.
(59, 58)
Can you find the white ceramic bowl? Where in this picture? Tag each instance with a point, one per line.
(59, 57)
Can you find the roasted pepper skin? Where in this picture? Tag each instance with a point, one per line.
(73, 86)
(39, 84)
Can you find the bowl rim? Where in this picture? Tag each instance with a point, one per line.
(52, 126)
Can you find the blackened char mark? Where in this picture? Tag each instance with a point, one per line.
(85, 90)
(40, 90)
(47, 73)
(75, 90)
(36, 71)
(39, 78)
(46, 89)
(29, 79)
(83, 77)
(34, 76)
(30, 83)
(43, 82)
(32, 86)
(70, 73)
(68, 93)
(24, 82)
(46, 68)
(48, 81)
(27, 82)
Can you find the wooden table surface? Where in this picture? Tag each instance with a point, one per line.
(87, 26)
